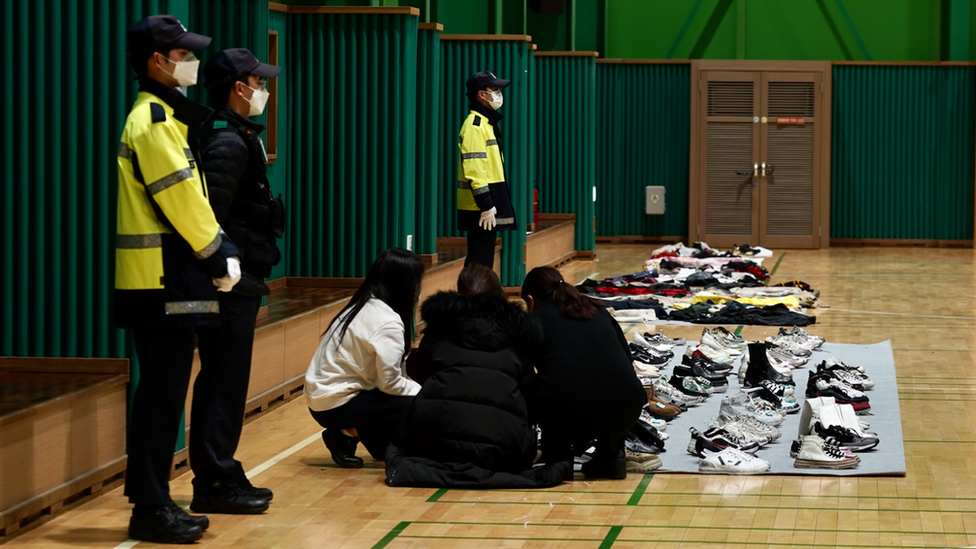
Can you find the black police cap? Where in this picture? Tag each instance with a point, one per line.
(161, 32)
(483, 80)
(236, 63)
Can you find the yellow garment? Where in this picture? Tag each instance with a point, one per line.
(480, 161)
(168, 176)
(790, 301)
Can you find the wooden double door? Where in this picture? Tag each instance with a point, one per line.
(760, 154)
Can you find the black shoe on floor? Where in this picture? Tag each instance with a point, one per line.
(343, 448)
(614, 468)
(245, 485)
(192, 520)
(226, 497)
(158, 524)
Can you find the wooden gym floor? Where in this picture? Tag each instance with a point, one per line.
(922, 299)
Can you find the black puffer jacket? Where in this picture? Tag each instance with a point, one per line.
(233, 159)
(473, 367)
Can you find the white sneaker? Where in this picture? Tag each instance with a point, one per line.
(667, 393)
(732, 340)
(814, 454)
(731, 461)
(658, 346)
(719, 344)
(659, 424)
(646, 370)
(789, 345)
(783, 356)
(713, 354)
(747, 423)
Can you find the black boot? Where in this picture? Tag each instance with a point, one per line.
(225, 496)
(343, 448)
(192, 520)
(760, 368)
(158, 524)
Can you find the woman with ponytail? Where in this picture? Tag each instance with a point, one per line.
(355, 387)
(586, 387)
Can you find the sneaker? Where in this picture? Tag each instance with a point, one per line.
(730, 461)
(757, 408)
(652, 343)
(813, 453)
(825, 385)
(666, 393)
(661, 338)
(704, 362)
(848, 438)
(835, 362)
(658, 408)
(785, 356)
(652, 421)
(790, 345)
(641, 463)
(645, 370)
(689, 386)
(715, 355)
(648, 356)
(158, 524)
(731, 339)
(694, 367)
(719, 343)
(749, 427)
(225, 496)
(800, 333)
(855, 379)
(720, 437)
(191, 520)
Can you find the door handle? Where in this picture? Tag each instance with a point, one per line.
(767, 169)
(754, 174)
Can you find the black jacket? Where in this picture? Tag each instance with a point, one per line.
(473, 367)
(233, 158)
(586, 386)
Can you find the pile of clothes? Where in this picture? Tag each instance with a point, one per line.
(701, 285)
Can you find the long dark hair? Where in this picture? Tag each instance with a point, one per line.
(545, 284)
(477, 279)
(394, 278)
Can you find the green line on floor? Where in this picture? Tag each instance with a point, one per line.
(437, 495)
(776, 266)
(611, 537)
(391, 536)
(639, 492)
(629, 328)
(738, 330)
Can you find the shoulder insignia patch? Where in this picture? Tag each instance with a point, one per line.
(220, 124)
(477, 121)
(158, 112)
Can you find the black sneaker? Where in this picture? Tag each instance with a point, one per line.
(192, 520)
(226, 497)
(251, 490)
(643, 355)
(843, 436)
(706, 363)
(158, 524)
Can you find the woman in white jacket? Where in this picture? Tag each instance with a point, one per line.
(355, 387)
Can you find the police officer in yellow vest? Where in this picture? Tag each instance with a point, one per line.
(171, 259)
(483, 201)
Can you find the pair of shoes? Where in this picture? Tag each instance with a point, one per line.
(692, 367)
(716, 459)
(659, 408)
(342, 448)
(228, 496)
(720, 437)
(160, 524)
(848, 374)
(661, 339)
(746, 424)
(719, 342)
(826, 384)
(728, 338)
(641, 463)
(802, 337)
(658, 424)
(610, 468)
(846, 437)
(648, 355)
(813, 452)
(694, 386)
(757, 367)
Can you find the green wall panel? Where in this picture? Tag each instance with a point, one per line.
(351, 188)
(898, 30)
(429, 146)
(643, 121)
(903, 152)
(507, 59)
(279, 171)
(566, 139)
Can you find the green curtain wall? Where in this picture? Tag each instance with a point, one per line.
(430, 149)
(351, 188)
(642, 134)
(902, 152)
(510, 60)
(279, 171)
(566, 139)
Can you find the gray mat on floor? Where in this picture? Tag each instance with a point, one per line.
(888, 459)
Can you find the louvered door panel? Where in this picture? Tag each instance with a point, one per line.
(789, 191)
(787, 196)
(731, 98)
(728, 196)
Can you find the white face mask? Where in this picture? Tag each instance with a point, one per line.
(186, 70)
(257, 101)
(496, 100)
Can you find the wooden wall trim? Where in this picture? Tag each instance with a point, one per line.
(84, 392)
(498, 37)
(37, 365)
(323, 282)
(644, 61)
(344, 10)
(567, 54)
(431, 26)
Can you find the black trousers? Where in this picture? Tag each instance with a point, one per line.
(481, 247)
(220, 390)
(219, 395)
(165, 360)
(375, 416)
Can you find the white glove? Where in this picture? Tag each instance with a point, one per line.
(233, 276)
(487, 221)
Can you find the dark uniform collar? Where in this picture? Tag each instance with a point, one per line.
(491, 114)
(185, 110)
(238, 120)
